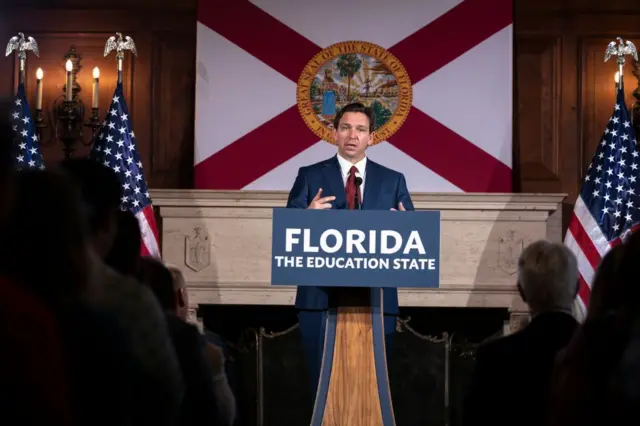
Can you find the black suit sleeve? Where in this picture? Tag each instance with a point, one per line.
(403, 194)
(299, 194)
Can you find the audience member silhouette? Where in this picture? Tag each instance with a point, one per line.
(134, 305)
(511, 379)
(34, 389)
(100, 363)
(200, 402)
(578, 382)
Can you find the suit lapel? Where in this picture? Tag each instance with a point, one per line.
(333, 176)
(372, 186)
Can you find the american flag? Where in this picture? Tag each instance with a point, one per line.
(606, 210)
(26, 149)
(115, 147)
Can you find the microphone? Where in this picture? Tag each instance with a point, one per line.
(356, 204)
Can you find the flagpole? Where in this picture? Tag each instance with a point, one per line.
(120, 58)
(23, 65)
(621, 49)
(120, 44)
(620, 68)
(22, 45)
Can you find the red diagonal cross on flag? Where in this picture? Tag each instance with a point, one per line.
(427, 50)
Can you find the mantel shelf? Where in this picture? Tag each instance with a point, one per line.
(482, 236)
(421, 200)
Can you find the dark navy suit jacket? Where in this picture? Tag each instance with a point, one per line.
(383, 189)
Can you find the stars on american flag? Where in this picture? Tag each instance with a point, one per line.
(610, 190)
(26, 149)
(115, 147)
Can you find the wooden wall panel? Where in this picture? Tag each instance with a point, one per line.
(172, 93)
(538, 105)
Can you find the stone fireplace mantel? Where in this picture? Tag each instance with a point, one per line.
(222, 242)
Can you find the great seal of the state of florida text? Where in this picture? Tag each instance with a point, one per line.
(354, 71)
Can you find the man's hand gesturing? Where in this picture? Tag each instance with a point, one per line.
(400, 207)
(319, 203)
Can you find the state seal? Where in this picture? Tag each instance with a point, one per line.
(354, 71)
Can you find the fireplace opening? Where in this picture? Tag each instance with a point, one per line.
(429, 367)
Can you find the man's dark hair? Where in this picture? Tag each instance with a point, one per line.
(356, 107)
(99, 186)
(155, 275)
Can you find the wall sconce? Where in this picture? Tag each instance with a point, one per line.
(68, 109)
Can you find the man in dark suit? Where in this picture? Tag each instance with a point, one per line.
(348, 180)
(512, 374)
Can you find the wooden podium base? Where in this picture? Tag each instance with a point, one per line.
(353, 388)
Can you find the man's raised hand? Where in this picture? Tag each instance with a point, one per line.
(321, 203)
(400, 207)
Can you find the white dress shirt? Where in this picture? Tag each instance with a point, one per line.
(345, 166)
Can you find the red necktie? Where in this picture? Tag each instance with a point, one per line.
(351, 189)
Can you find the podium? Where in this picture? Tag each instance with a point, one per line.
(356, 253)
(354, 385)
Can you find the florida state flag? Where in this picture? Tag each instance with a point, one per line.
(272, 74)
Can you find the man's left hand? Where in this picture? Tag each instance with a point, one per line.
(400, 207)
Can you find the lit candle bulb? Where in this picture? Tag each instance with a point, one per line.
(69, 67)
(39, 76)
(96, 84)
(617, 77)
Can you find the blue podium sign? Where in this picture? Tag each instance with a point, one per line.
(355, 248)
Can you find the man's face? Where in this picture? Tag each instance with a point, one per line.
(352, 136)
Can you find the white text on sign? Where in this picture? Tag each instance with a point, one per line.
(354, 263)
(354, 240)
